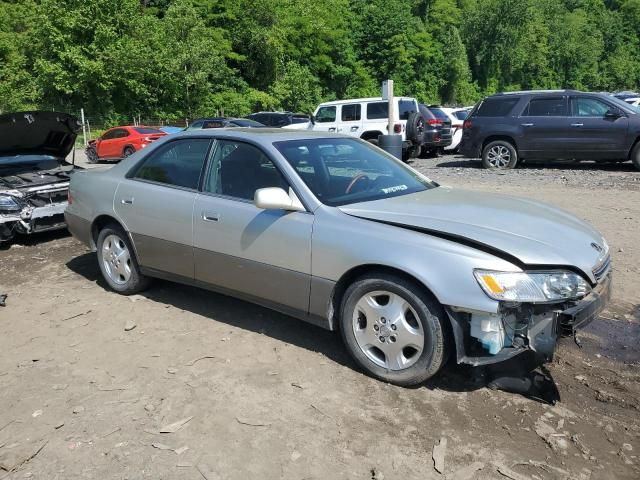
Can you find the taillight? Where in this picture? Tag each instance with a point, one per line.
(434, 121)
(467, 124)
(397, 128)
(69, 197)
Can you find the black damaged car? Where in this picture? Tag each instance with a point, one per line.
(34, 173)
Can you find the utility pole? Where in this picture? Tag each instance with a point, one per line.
(391, 142)
(84, 130)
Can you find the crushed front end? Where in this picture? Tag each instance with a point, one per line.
(33, 209)
(483, 338)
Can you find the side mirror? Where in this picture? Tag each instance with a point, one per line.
(275, 198)
(312, 119)
(613, 113)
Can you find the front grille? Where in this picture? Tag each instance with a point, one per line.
(46, 198)
(602, 268)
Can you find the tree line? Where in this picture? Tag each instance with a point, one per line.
(177, 59)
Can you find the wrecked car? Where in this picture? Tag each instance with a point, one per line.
(34, 175)
(334, 231)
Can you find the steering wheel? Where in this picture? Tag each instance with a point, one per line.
(355, 180)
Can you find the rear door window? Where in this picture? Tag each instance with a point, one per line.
(546, 107)
(350, 113)
(326, 115)
(377, 110)
(496, 107)
(179, 163)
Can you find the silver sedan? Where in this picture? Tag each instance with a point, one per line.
(333, 231)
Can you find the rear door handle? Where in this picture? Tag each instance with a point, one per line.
(332, 129)
(354, 129)
(210, 217)
(527, 124)
(577, 125)
(127, 201)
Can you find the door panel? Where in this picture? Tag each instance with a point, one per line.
(327, 119)
(160, 221)
(351, 120)
(595, 136)
(156, 206)
(262, 253)
(543, 127)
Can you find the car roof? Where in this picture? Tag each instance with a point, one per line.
(260, 134)
(362, 100)
(539, 92)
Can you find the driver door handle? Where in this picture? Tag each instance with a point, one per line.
(577, 125)
(527, 124)
(127, 201)
(210, 217)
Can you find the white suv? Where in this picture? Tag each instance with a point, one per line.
(366, 118)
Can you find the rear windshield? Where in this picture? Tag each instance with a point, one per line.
(242, 122)
(496, 107)
(439, 113)
(147, 130)
(461, 114)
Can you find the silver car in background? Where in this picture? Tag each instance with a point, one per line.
(333, 231)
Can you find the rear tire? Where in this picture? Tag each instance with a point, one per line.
(127, 152)
(635, 156)
(499, 155)
(118, 263)
(373, 141)
(410, 322)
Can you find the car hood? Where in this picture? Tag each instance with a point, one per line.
(533, 233)
(37, 133)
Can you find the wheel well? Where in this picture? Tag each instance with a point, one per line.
(352, 275)
(632, 147)
(493, 138)
(99, 223)
(370, 135)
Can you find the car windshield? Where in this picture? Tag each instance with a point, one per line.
(626, 107)
(147, 130)
(342, 171)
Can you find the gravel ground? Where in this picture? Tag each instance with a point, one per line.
(243, 392)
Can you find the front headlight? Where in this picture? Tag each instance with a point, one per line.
(532, 286)
(8, 204)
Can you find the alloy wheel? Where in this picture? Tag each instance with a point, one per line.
(116, 259)
(387, 330)
(499, 156)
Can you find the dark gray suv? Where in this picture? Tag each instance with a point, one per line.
(506, 128)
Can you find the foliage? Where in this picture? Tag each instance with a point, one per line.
(179, 59)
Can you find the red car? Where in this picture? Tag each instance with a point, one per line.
(120, 142)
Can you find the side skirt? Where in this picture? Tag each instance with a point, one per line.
(314, 319)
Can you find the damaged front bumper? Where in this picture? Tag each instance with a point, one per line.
(40, 209)
(484, 338)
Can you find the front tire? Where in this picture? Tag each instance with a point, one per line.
(499, 155)
(118, 263)
(393, 329)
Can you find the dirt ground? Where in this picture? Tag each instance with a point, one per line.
(244, 393)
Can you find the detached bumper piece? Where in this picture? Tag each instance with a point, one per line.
(583, 312)
(523, 327)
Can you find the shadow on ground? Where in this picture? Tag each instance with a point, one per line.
(462, 162)
(247, 316)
